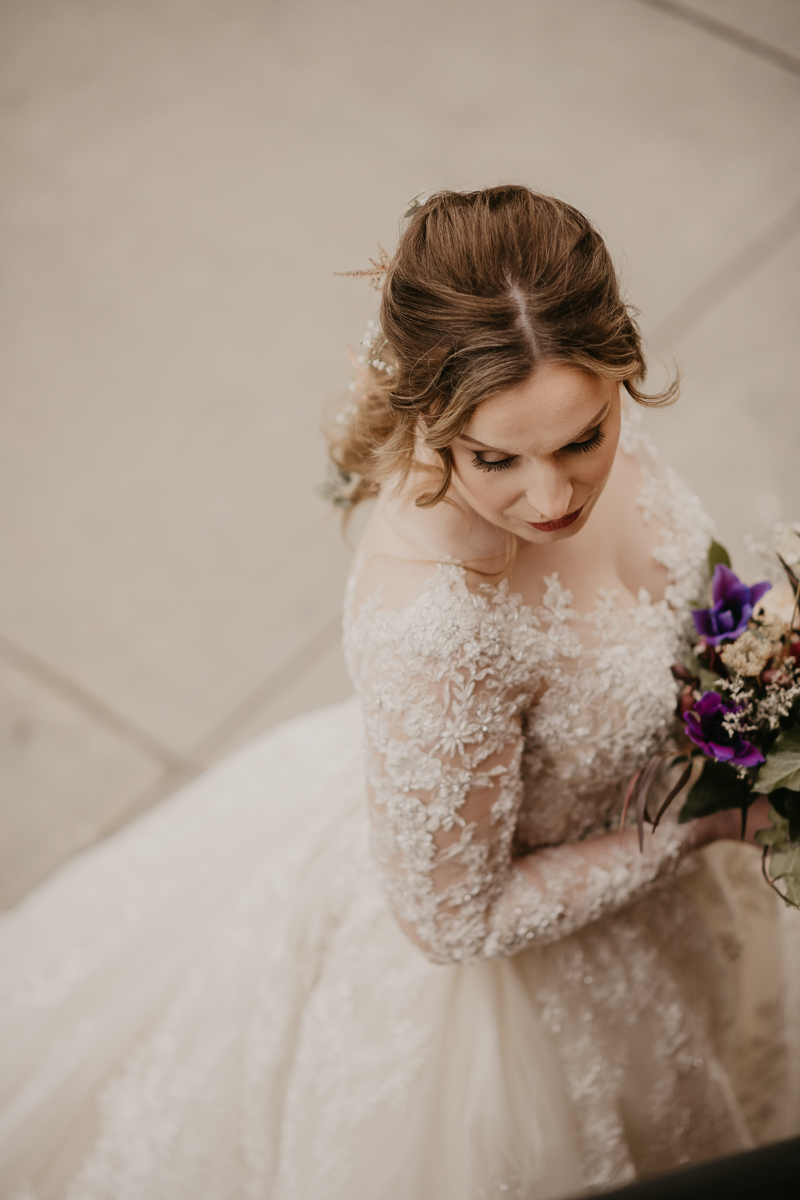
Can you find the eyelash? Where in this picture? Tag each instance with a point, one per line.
(502, 464)
(591, 443)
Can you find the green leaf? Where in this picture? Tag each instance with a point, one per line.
(777, 834)
(718, 788)
(708, 680)
(785, 862)
(782, 768)
(717, 554)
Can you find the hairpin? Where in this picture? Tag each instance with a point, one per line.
(419, 200)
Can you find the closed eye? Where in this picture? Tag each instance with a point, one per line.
(489, 464)
(591, 443)
(595, 439)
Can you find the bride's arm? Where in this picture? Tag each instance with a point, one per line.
(554, 891)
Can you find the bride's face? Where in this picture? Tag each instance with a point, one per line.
(534, 459)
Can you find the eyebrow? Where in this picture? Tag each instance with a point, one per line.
(597, 420)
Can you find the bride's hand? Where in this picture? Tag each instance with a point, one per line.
(727, 826)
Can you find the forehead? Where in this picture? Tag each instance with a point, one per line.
(548, 410)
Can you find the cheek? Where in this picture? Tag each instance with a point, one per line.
(489, 490)
(592, 470)
(595, 471)
(610, 456)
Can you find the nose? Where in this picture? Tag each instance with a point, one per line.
(549, 492)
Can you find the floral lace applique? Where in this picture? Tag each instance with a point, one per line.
(493, 729)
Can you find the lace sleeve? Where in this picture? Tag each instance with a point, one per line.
(445, 686)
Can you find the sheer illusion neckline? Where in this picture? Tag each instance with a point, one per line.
(681, 547)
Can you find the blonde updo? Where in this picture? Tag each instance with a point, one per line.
(483, 287)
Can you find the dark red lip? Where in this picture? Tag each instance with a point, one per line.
(561, 523)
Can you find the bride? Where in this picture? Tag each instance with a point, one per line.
(400, 949)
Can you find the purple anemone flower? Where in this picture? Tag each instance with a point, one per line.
(704, 725)
(732, 609)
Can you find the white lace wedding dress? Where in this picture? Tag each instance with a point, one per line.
(255, 992)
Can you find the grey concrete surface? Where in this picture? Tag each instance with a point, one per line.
(181, 180)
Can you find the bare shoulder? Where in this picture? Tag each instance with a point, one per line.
(404, 543)
(394, 583)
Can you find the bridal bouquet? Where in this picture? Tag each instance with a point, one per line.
(740, 704)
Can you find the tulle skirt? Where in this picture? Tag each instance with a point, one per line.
(216, 1004)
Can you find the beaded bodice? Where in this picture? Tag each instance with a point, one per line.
(494, 729)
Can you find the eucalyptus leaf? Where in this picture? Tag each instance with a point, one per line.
(717, 554)
(792, 886)
(718, 788)
(782, 768)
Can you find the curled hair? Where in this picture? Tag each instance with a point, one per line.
(483, 288)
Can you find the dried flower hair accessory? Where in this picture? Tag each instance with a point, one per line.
(338, 487)
(374, 344)
(375, 274)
